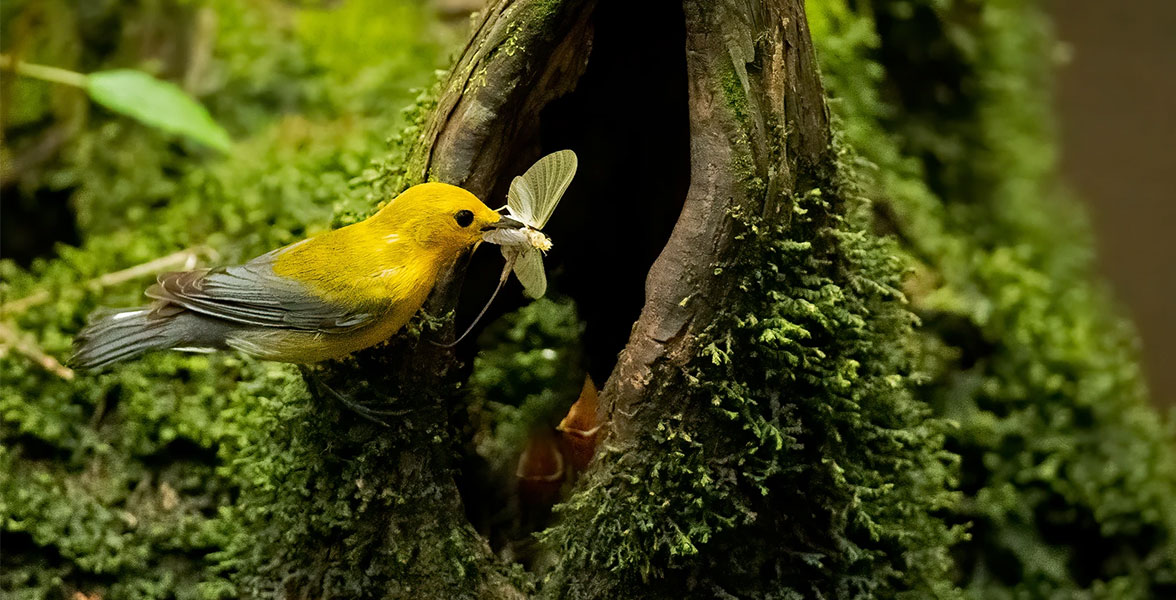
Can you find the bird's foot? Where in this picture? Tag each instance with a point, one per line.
(367, 412)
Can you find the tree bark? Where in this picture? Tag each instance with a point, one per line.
(760, 150)
(736, 114)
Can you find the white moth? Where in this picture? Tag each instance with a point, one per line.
(531, 199)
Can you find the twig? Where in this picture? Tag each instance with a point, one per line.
(184, 259)
(44, 72)
(11, 338)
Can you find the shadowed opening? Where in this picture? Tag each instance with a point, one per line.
(634, 172)
(628, 122)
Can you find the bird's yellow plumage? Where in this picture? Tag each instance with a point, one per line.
(321, 298)
(392, 255)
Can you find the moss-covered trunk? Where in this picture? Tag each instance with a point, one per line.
(382, 515)
(753, 384)
(847, 351)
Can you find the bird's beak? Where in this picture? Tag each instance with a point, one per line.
(504, 223)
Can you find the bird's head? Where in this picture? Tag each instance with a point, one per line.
(439, 217)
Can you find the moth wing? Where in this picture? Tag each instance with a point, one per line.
(528, 267)
(520, 199)
(533, 196)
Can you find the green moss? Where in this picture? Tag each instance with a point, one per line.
(798, 431)
(1067, 470)
(321, 492)
(735, 95)
(119, 483)
(525, 20)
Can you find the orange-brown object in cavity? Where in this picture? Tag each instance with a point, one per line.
(580, 429)
(541, 470)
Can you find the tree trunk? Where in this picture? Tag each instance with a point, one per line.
(709, 440)
(762, 433)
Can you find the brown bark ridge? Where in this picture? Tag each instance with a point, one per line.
(522, 55)
(758, 121)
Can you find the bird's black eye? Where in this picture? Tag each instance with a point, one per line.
(464, 218)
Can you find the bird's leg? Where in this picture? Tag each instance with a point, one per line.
(367, 412)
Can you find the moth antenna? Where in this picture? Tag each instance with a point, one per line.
(501, 280)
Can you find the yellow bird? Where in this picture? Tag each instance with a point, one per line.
(321, 298)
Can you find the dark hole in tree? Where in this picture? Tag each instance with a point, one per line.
(628, 122)
(32, 226)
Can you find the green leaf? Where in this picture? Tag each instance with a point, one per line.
(156, 103)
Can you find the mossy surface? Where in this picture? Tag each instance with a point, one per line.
(1068, 474)
(121, 483)
(787, 457)
(796, 431)
(340, 507)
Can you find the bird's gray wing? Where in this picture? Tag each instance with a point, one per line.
(251, 294)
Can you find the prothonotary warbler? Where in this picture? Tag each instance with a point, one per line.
(321, 298)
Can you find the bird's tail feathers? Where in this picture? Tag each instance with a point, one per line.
(114, 335)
